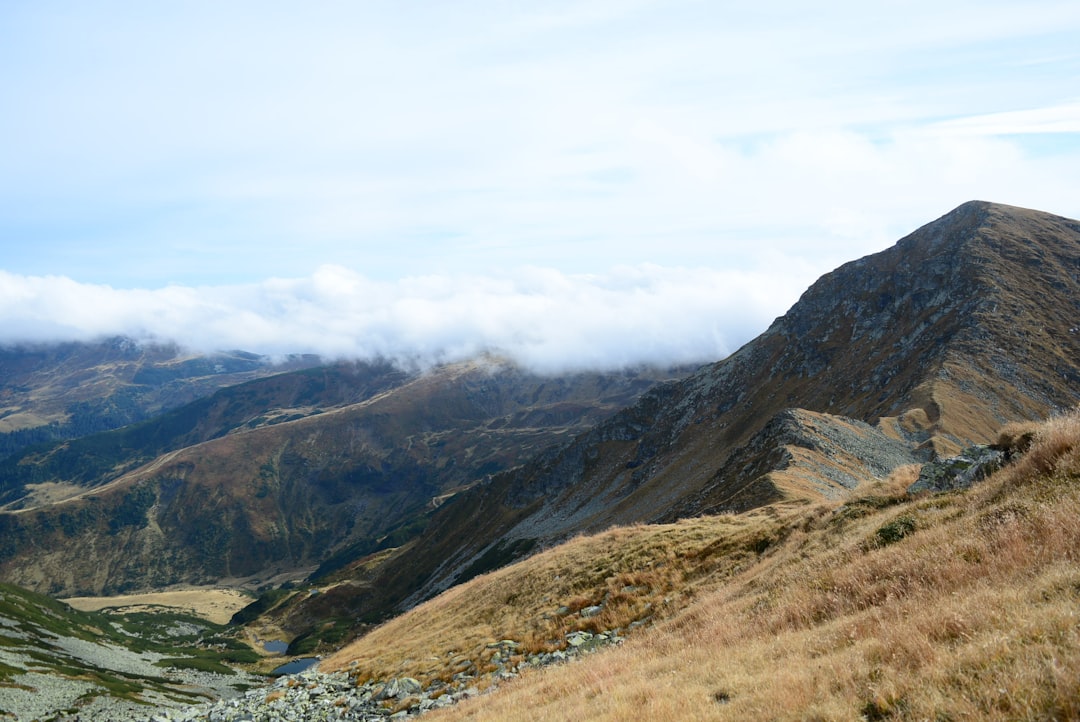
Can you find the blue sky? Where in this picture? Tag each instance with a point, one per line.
(544, 179)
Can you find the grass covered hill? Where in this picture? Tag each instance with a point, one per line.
(960, 605)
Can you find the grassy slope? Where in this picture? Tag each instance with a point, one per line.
(795, 612)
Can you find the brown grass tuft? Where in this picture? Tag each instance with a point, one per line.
(1017, 437)
(895, 484)
(1054, 449)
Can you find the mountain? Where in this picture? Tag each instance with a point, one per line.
(392, 487)
(68, 390)
(911, 353)
(886, 606)
(779, 545)
(281, 475)
(73, 467)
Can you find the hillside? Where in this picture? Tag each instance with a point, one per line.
(281, 475)
(44, 474)
(57, 391)
(744, 539)
(917, 351)
(878, 606)
(882, 605)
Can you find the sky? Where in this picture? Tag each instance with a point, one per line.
(589, 184)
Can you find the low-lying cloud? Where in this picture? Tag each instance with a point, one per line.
(544, 319)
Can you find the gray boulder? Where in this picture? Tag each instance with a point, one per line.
(973, 464)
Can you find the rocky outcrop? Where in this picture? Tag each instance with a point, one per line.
(972, 465)
(800, 453)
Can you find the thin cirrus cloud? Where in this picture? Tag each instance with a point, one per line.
(667, 176)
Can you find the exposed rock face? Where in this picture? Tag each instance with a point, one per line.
(963, 325)
(801, 453)
(974, 464)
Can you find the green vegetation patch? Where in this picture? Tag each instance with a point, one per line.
(203, 664)
(332, 633)
(895, 530)
(7, 672)
(183, 640)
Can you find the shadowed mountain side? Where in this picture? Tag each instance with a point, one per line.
(41, 475)
(68, 390)
(963, 325)
(287, 488)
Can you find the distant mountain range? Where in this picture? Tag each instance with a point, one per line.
(394, 486)
(51, 392)
(281, 474)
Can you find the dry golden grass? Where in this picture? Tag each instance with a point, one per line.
(636, 573)
(211, 603)
(949, 607)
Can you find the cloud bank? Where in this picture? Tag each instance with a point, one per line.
(544, 319)
(385, 163)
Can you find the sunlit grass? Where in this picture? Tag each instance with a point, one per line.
(797, 612)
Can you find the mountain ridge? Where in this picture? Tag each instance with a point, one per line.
(912, 339)
(62, 391)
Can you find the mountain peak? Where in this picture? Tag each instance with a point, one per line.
(987, 291)
(984, 220)
(920, 350)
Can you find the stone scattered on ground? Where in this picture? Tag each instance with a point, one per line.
(336, 697)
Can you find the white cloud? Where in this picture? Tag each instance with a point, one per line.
(197, 149)
(1063, 118)
(543, 318)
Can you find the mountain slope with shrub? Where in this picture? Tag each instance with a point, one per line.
(56, 391)
(59, 663)
(94, 460)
